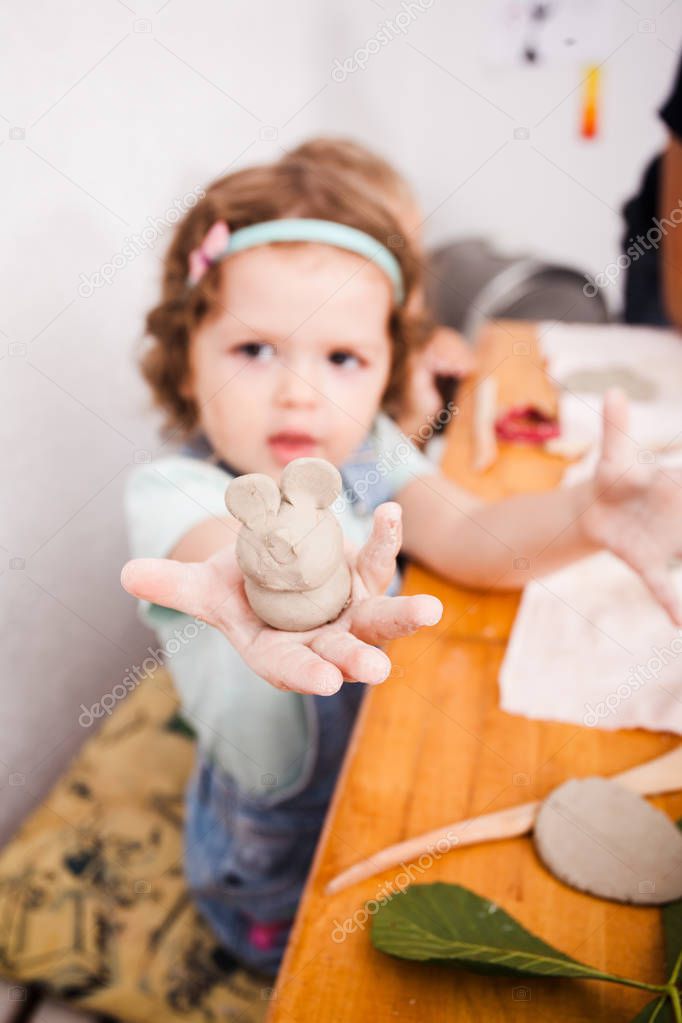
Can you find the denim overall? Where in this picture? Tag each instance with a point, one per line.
(247, 858)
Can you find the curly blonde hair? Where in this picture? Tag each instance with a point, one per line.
(322, 179)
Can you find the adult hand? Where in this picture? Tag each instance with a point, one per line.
(447, 354)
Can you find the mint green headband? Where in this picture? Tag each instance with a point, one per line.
(220, 242)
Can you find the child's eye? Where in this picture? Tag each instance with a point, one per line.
(257, 350)
(342, 358)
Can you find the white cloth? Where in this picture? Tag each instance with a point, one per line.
(591, 647)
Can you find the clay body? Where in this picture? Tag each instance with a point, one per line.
(290, 547)
(597, 836)
(597, 379)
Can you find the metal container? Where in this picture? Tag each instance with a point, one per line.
(468, 283)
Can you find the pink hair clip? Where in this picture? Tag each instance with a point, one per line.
(211, 249)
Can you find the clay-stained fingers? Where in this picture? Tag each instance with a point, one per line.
(646, 555)
(379, 619)
(376, 560)
(292, 666)
(357, 661)
(618, 449)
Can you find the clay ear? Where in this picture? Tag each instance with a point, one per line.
(252, 498)
(311, 479)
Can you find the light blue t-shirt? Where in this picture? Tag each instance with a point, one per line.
(259, 735)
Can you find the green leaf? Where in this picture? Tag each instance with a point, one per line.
(657, 1011)
(448, 922)
(671, 915)
(672, 929)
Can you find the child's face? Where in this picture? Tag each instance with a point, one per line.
(295, 360)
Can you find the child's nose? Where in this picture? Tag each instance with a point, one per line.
(297, 387)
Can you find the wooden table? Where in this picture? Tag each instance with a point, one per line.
(431, 746)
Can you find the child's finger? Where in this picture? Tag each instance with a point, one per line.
(617, 446)
(208, 590)
(379, 619)
(292, 666)
(376, 560)
(177, 584)
(357, 661)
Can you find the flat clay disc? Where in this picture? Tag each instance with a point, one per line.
(597, 836)
(597, 380)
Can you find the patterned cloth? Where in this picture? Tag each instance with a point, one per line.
(93, 901)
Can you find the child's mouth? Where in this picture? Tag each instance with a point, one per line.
(287, 446)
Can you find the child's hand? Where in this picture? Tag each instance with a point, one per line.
(636, 511)
(317, 661)
(447, 354)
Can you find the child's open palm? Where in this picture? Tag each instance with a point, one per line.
(637, 510)
(316, 661)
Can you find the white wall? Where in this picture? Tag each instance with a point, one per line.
(436, 103)
(125, 107)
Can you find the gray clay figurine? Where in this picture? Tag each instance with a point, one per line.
(291, 547)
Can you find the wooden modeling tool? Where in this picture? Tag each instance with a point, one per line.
(662, 774)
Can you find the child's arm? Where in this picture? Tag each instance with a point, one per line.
(500, 545)
(630, 508)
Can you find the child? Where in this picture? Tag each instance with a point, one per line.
(285, 325)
